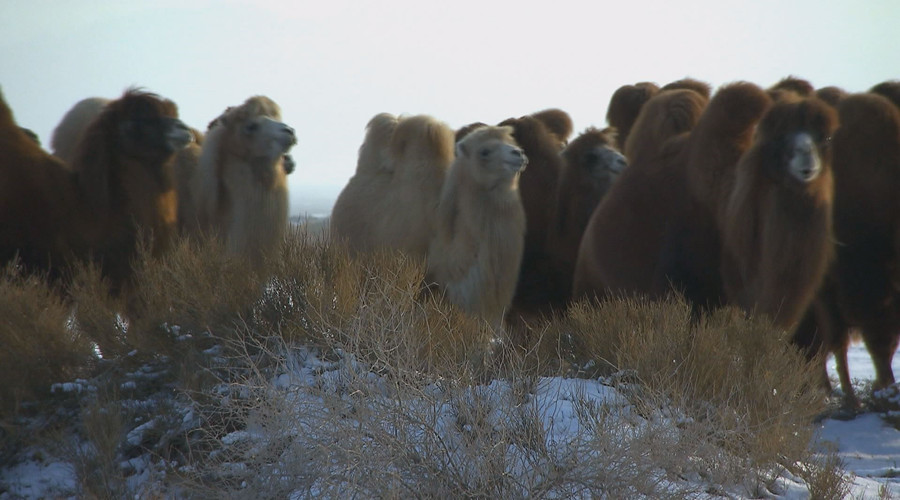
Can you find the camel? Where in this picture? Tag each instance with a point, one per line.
(391, 200)
(476, 251)
(240, 187)
(622, 244)
(592, 163)
(777, 226)
(118, 189)
(861, 289)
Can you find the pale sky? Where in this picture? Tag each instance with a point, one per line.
(333, 64)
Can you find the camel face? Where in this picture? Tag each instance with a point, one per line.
(153, 137)
(264, 137)
(179, 135)
(493, 156)
(605, 163)
(497, 162)
(513, 158)
(804, 162)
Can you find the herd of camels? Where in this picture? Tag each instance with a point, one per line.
(781, 201)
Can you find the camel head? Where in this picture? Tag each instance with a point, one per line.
(605, 163)
(256, 134)
(493, 154)
(593, 158)
(795, 137)
(147, 127)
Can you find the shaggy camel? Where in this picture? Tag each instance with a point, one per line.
(476, 252)
(125, 168)
(777, 227)
(118, 189)
(240, 188)
(392, 199)
(622, 243)
(861, 289)
(592, 164)
(39, 203)
(537, 186)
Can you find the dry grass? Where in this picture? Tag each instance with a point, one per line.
(743, 399)
(97, 313)
(400, 406)
(734, 376)
(38, 347)
(103, 429)
(352, 433)
(374, 305)
(197, 286)
(824, 477)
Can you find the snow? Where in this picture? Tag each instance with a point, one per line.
(869, 448)
(36, 479)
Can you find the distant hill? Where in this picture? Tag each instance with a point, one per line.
(313, 201)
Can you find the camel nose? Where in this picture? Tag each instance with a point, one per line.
(289, 131)
(803, 144)
(179, 135)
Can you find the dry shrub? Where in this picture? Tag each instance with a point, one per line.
(736, 377)
(96, 460)
(39, 349)
(194, 288)
(373, 305)
(97, 313)
(396, 407)
(825, 477)
(373, 422)
(349, 430)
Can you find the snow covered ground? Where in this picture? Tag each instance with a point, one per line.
(869, 448)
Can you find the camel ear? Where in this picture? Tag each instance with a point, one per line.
(220, 120)
(508, 129)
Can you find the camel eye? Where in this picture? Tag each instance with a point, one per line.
(484, 153)
(251, 128)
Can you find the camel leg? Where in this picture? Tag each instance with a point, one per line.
(820, 331)
(881, 346)
(840, 359)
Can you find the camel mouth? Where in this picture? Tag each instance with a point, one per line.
(517, 161)
(605, 162)
(289, 164)
(605, 174)
(516, 166)
(287, 142)
(805, 171)
(619, 164)
(808, 175)
(179, 137)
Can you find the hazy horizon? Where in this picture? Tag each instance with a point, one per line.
(332, 66)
